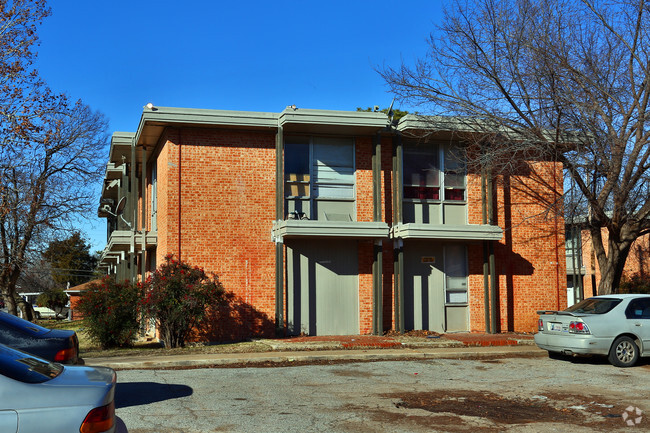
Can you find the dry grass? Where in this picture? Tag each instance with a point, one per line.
(90, 349)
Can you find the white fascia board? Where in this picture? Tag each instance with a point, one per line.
(467, 232)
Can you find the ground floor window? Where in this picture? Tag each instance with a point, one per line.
(456, 274)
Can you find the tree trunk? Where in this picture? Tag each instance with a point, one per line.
(26, 308)
(10, 303)
(612, 262)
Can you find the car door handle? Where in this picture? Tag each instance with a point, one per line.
(638, 324)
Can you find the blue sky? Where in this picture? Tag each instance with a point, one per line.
(252, 55)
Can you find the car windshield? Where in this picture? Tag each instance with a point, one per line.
(594, 306)
(26, 368)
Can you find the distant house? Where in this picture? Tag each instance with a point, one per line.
(330, 222)
(583, 274)
(74, 293)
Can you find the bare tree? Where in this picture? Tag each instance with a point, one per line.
(560, 81)
(50, 150)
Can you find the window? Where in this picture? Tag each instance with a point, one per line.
(594, 306)
(421, 173)
(26, 368)
(426, 168)
(454, 175)
(333, 168)
(573, 241)
(154, 197)
(638, 309)
(296, 169)
(319, 178)
(456, 274)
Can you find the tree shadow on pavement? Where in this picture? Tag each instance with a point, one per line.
(141, 393)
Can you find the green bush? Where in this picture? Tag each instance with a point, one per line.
(636, 283)
(111, 312)
(178, 296)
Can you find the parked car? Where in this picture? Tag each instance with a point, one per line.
(616, 326)
(48, 313)
(41, 396)
(57, 345)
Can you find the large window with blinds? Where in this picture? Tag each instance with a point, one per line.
(434, 183)
(319, 178)
(430, 167)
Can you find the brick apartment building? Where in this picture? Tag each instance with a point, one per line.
(333, 222)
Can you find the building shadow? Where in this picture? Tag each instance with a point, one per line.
(235, 320)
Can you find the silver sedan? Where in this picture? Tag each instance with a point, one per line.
(616, 326)
(41, 396)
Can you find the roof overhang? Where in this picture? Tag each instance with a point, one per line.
(299, 120)
(154, 121)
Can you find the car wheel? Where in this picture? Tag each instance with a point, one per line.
(38, 315)
(624, 352)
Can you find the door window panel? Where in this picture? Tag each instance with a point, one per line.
(456, 274)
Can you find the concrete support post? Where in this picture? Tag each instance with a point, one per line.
(133, 187)
(377, 272)
(143, 224)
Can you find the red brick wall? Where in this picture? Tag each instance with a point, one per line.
(530, 257)
(226, 181)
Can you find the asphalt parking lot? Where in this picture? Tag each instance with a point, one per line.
(534, 394)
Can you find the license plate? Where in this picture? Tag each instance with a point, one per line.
(555, 326)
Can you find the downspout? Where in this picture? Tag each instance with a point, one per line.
(557, 253)
(279, 245)
(180, 160)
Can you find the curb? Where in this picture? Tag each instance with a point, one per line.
(306, 357)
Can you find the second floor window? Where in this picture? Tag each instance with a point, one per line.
(422, 173)
(319, 178)
(430, 167)
(154, 196)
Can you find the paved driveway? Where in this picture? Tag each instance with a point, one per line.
(518, 395)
